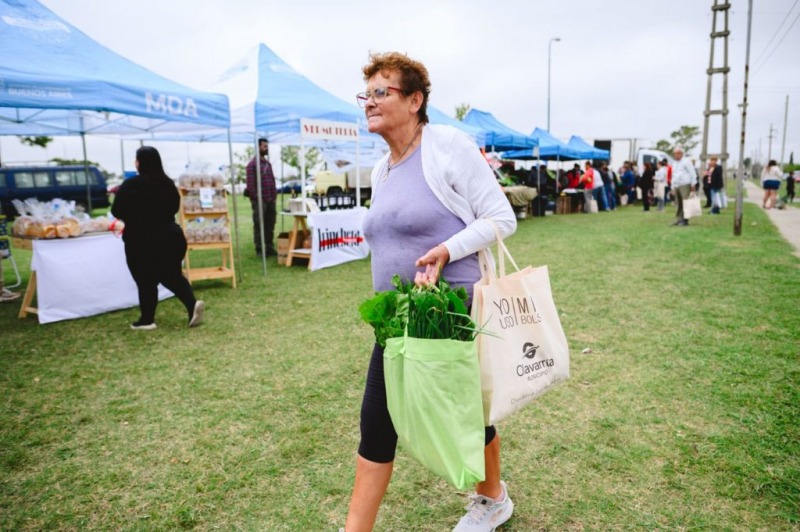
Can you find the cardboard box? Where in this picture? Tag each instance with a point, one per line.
(283, 246)
(283, 243)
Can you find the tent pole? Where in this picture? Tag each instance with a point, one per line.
(232, 171)
(303, 174)
(260, 203)
(538, 176)
(358, 168)
(86, 173)
(122, 157)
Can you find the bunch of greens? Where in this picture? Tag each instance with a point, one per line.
(507, 181)
(430, 311)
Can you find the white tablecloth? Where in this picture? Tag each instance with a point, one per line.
(85, 276)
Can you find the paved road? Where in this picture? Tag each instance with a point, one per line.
(786, 220)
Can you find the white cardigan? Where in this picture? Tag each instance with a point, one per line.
(461, 179)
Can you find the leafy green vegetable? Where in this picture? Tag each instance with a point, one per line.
(429, 311)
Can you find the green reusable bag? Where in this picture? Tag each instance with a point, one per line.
(433, 391)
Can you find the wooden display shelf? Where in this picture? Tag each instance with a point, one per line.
(226, 268)
(209, 245)
(217, 272)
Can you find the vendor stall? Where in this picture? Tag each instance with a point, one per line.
(520, 198)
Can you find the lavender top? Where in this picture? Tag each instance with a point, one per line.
(405, 220)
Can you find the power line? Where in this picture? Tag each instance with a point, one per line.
(775, 34)
(778, 44)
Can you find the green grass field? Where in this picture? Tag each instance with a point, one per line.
(684, 415)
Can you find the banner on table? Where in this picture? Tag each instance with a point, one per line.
(337, 237)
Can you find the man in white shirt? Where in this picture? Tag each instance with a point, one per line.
(684, 180)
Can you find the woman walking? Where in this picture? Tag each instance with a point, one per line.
(154, 243)
(771, 179)
(434, 199)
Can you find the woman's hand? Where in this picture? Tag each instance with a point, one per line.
(433, 261)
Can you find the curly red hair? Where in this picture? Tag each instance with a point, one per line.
(413, 75)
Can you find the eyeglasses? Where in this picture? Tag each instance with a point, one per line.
(378, 95)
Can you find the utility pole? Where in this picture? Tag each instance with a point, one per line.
(769, 146)
(720, 7)
(785, 123)
(737, 218)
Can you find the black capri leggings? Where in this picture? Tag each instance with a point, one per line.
(378, 437)
(158, 260)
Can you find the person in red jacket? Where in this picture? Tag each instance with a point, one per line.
(574, 177)
(587, 183)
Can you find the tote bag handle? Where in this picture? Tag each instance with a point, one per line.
(502, 253)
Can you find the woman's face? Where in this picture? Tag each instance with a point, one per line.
(395, 111)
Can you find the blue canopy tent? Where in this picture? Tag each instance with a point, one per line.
(499, 137)
(270, 99)
(586, 150)
(54, 80)
(438, 117)
(550, 148)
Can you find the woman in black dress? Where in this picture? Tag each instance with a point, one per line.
(154, 243)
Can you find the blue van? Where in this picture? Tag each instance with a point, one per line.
(48, 182)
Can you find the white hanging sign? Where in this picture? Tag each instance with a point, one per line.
(328, 130)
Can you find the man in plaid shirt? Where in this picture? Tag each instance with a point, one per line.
(268, 195)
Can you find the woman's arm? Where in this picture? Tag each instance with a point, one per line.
(472, 179)
(120, 208)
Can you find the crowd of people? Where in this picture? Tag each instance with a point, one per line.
(655, 184)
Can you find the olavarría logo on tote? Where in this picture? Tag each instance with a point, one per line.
(531, 368)
(516, 311)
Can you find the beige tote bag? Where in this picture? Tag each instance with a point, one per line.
(691, 207)
(523, 351)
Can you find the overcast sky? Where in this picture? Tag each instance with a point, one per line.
(623, 68)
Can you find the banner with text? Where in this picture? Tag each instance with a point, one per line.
(327, 130)
(337, 237)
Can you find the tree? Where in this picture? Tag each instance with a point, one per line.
(684, 138)
(240, 166)
(42, 142)
(663, 145)
(73, 162)
(461, 111)
(290, 156)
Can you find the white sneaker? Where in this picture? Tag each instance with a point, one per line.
(139, 326)
(197, 315)
(485, 514)
(7, 295)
